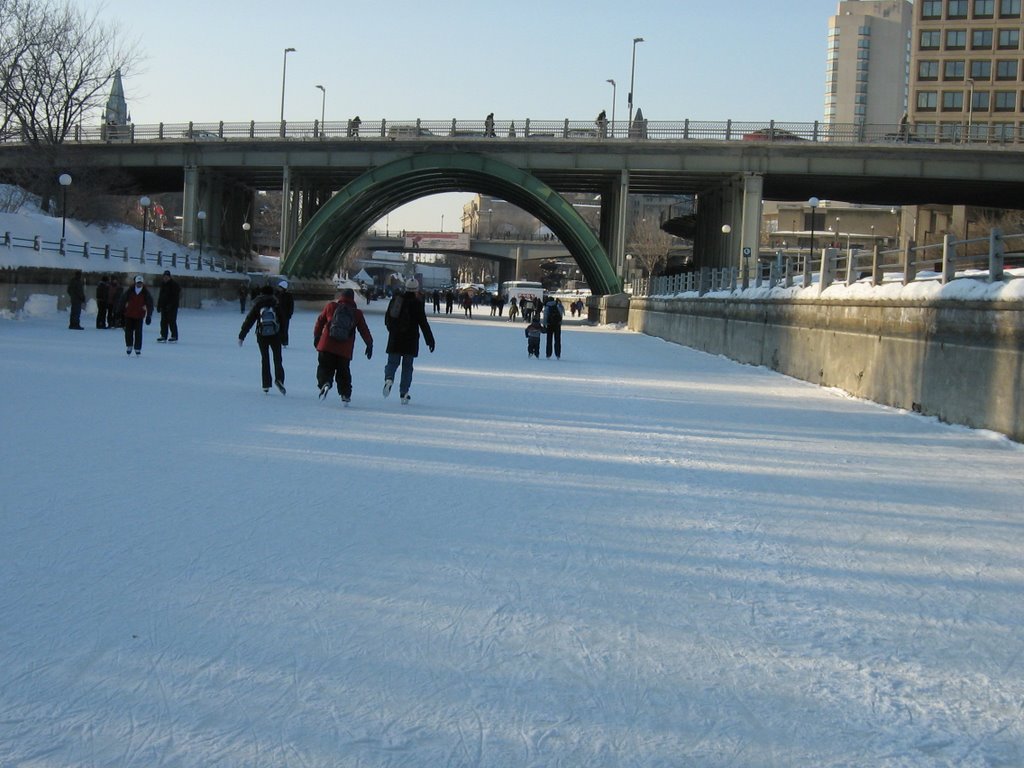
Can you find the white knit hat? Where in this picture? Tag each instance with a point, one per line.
(411, 284)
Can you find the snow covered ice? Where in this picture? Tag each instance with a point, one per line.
(639, 555)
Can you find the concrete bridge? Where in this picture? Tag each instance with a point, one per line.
(337, 187)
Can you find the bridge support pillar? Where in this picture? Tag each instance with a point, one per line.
(189, 204)
(750, 225)
(614, 205)
(289, 212)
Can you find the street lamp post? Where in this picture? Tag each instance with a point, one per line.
(323, 107)
(65, 182)
(284, 74)
(246, 241)
(632, 73)
(144, 202)
(490, 223)
(613, 105)
(202, 218)
(813, 202)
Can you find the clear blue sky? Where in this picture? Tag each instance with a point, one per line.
(542, 59)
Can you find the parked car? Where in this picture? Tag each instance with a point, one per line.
(407, 131)
(772, 134)
(202, 135)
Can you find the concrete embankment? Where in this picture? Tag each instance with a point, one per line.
(960, 361)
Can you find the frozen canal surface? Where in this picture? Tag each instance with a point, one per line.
(638, 555)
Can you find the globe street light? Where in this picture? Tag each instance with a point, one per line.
(813, 202)
(613, 106)
(247, 237)
(65, 182)
(144, 202)
(202, 217)
(632, 72)
(323, 105)
(284, 73)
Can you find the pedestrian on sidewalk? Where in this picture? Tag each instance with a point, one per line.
(405, 319)
(135, 307)
(264, 315)
(334, 338)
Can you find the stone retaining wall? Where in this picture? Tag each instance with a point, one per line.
(962, 362)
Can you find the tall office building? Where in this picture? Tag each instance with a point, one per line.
(967, 70)
(868, 70)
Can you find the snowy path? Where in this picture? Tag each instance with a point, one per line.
(639, 555)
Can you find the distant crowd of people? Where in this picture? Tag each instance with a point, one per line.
(271, 308)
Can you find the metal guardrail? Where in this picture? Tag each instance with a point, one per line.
(946, 261)
(945, 134)
(187, 261)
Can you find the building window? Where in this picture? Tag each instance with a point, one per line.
(1009, 39)
(956, 39)
(1006, 101)
(957, 9)
(981, 39)
(981, 70)
(927, 101)
(952, 101)
(984, 9)
(1009, 9)
(980, 101)
(953, 70)
(1006, 70)
(927, 70)
(1003, 131)
(930, 39)
(931, 9)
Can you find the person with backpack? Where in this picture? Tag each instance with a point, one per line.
(553, 314)
(405, 319)
(334, 338)
(264, 315)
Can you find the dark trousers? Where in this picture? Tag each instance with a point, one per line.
(76, 314)
(268, 344)
(337, 368)
(169, 322)
(101, 314)
(554, 334)
(133, 332)
(533, 346)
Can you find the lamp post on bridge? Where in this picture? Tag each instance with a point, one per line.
(284, 75)
(632, 73)
(323, 107)
(970, 109)
(613, 105)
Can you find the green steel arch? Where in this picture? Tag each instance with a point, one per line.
(338, 225)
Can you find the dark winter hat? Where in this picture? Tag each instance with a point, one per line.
(167, 273)
(266, 290)
(348, 293)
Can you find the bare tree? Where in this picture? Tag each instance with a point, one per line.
(57, 63)
(649, 244)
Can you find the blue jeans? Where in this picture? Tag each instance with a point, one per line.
(392, 366)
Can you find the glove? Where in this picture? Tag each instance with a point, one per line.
(149, 320)
(369, 352)
(431, 347)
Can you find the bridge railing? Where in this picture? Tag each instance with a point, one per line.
(944, 262)
(159, 258)
(563, 129)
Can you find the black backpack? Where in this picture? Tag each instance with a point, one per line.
(554, 315)
(343, 322)
(268, 324)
